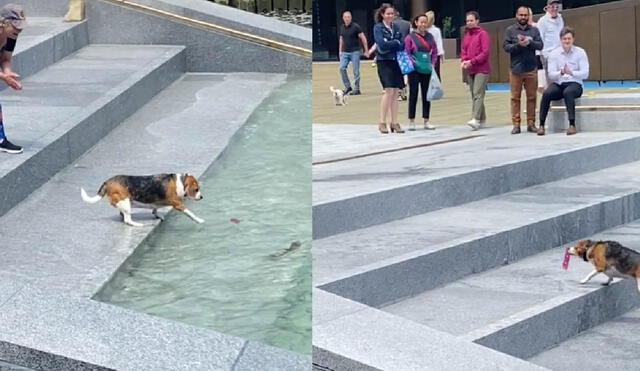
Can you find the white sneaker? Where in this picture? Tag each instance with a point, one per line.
(412, 126)
(428, 126)
(474, 124)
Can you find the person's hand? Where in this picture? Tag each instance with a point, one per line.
(367, 55)
(466, 64)
(567, 70)
(11, 79)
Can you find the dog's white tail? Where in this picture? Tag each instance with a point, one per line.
(87, 199)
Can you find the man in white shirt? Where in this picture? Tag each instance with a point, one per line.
(549, 26)
(568, 66)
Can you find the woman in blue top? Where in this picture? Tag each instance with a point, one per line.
(388, 40)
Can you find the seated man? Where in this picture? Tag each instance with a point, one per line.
(567, 67)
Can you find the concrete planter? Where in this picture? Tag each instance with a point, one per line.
(450, 48)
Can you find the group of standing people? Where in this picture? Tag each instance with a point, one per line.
(422, 49)
(421, 40)
(543, 59)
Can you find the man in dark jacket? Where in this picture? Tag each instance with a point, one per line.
(521, 41)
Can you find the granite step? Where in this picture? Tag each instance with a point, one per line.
(45, 41)
(524, 308)
(611, 345)
(599, 113)
(363, 192)
(56, 268)
(67, 107)
(383, 264)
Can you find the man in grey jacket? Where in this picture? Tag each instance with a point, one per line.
(521, 42)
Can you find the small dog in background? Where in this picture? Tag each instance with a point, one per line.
(338, 96)
(610, 258)
(150, 192)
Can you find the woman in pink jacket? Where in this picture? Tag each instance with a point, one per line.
(474, 58)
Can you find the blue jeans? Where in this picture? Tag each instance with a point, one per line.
(345, 58)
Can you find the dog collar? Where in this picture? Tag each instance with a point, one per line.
(584, 256)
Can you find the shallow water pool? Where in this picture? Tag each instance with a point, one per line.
(235, 273)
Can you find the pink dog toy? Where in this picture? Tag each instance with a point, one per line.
(565, 262)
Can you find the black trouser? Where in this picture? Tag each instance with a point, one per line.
(567, 90)
(415, 79)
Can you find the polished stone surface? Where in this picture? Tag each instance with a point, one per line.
(600, 121)
(613, 345)
(74, 253)
(477, 235)
(45, 41)
(40, 8)
(493, 307)
(485, 266)
(372, 339)
(206, 51)
(412, 182)
(66, 108)
(227, 16)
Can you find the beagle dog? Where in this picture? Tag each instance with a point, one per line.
(610, 258)
(150, 192)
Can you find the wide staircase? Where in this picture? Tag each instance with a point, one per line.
(87, 112)
(457, 240)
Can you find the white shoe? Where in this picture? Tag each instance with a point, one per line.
(428, 126)
(412, 126)
(474, 124)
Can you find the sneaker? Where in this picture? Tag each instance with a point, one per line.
(474, 124)
(356, 92)
(6, 146)
(428, 126)
(347, 91)
(412, 126)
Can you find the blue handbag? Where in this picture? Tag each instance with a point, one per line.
(406, 67)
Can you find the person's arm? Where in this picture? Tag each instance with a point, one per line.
(409, 46)
(363, 41)
(583, 67)
(340, 45)
(373, 49)
(553, 70)
(463, 49)
(510, 45)
(7, 75)
(485, 44)
(438, 37)
(386, 45)
(536, 42)
(434, 50)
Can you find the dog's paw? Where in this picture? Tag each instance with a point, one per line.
(582, 282)
(199, 220)
(136, 224)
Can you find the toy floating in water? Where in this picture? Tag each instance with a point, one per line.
(234, 220)
(565, 262)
